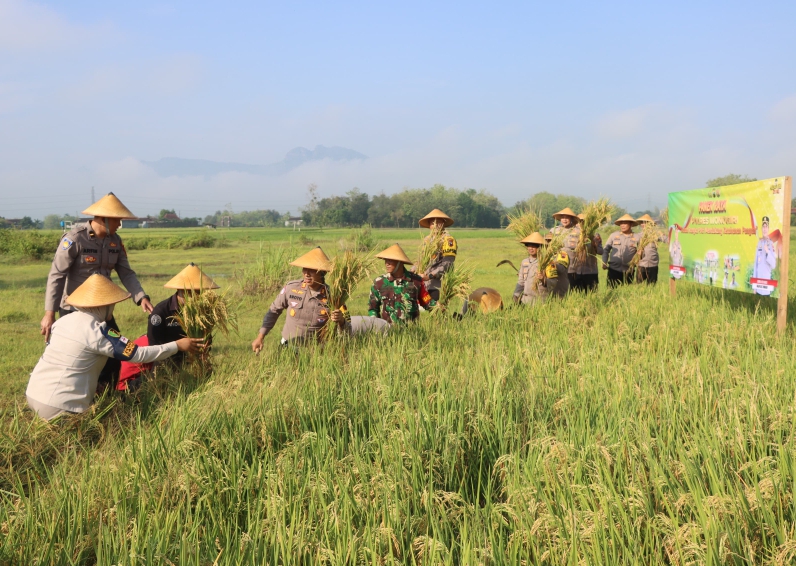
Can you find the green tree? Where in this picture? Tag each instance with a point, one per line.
(52, 222)
(731, 179)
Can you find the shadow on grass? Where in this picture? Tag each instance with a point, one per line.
(31, 446)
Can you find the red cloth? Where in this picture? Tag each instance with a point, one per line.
(130, 370)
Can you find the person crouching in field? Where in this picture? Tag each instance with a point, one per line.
(396, 296)
(307, 304)
(648, 264)
(437, 221)
(65, 378)
(533, 286)
(619, 249)
(163, 326)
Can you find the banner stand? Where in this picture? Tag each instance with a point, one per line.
(782, 300)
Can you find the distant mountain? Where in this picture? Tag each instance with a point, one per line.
(176, 166)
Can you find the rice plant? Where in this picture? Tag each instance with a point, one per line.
(430, 248)
(548, 254)
(349, 270)
(650, 234)
(524, 222)
(455, 283)
(269, 271)
(595, 214)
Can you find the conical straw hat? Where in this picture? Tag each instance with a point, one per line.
(535, 238)
(565, 212)
(191, 278)
(110, 207)
(395, 253)
(425, 222)
(581, 216)
(626, 218)
(646, 218)
(314, 259)
(97, 291)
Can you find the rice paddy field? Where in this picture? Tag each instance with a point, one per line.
(622, 427)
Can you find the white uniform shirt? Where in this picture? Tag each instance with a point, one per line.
(66, 375)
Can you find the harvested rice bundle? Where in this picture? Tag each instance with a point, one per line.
(524, 222)
(430, 246)
(650, 234)
(199, 316)
(348, 270)
(595, 214)
(548, 253)
(455, 283)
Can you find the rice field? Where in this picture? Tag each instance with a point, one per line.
(622, 427)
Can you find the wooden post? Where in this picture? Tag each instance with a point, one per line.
(782, 301)
(672, 286)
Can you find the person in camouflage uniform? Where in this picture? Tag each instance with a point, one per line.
(396, 296)
(446, 255)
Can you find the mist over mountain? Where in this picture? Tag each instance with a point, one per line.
(180, 167)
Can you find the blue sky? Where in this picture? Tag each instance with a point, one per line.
(628, 100)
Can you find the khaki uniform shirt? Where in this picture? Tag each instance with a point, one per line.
(307, 311)
(619, 249)
(556, 281)
(649, 257)
(587, 266)
(66, 375)
(81, 254)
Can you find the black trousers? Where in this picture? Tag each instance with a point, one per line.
(109, 376)
(648, 275)
(586, 282)
(434, 293)
(618, 278)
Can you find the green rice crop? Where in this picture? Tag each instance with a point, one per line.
(28, 244)
(524, 222)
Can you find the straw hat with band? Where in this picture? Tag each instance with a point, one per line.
(566, 212)
(314, 259)
(395, 253)
(548, 238)
(645, 218)
(626, 218)
(436, 214)
(97, 291)
(109, 207)
(191, 278)
(581, 216)
(535, 238)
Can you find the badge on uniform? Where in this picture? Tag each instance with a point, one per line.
(66, 243)
(113, 244)
(292, 312)
(123, 349)
(155, 320)
(90, 259)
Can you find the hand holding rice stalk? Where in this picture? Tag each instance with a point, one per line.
(524, 222)
(454, 283)
(548, 254)
(430, 246)
(348, 270)
(201, 313)
(649, 235)
(595, 214)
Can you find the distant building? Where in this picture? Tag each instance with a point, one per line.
(294, 221)
(171, 217)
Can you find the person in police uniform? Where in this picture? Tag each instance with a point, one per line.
(89, 248)
(306, 301)
(443, 261)
(65, 378)
(534, 287)
(648, 264)
(765, 256)
(163, 326)
(618, 250)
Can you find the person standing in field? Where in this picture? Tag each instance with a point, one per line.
(765, 257)
(90, 248)
(437, 221)
(534, 287)
(568, 226)
(648, 265)
(66, 376)
(584, 274)
(619, 249)
(396, 296)
(307, 304)
(163, 325)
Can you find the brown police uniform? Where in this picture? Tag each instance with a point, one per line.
(441, 263)
(80, 254)
(555, 283)
(307, 312)
(618, 250)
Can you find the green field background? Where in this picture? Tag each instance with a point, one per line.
(622, 427)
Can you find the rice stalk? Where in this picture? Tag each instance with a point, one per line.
(524, 222)
(454, 283)
(650, 234)
(665, 216)
(348, 270)
(595, 214)
(200, 314)
(548, 254)
(430, 248)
